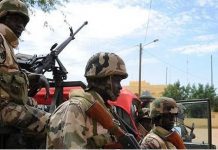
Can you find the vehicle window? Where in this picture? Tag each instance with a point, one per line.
(124, 115)
(134, 109)
(193, 121)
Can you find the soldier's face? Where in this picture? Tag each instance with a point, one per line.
(168, 121)
(112, 88)
(115, 86)
(16, 23)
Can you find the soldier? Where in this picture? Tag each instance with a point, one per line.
(144, 119)
(14, 82)
(146, 99)
(180, 123)
(71, 125)
(163, 113)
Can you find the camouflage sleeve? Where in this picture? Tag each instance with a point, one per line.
(67, 127)
(150, 143)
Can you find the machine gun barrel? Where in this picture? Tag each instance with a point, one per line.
(48, 61)
(72, 37)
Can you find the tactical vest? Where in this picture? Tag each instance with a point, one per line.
(13, 82)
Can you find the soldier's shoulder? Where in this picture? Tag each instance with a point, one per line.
(80, 102)
(151, 141)
(80, 93)
(79, 96)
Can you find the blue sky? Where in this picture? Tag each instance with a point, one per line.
(187, 33)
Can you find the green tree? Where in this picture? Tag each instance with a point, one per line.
(175, 91)
(215, 108)
(45, 5)
(178, 92)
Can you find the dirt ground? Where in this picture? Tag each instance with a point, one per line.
(201, 136)
(215, 137)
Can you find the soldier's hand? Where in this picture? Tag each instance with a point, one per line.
(44, 83)
(37, 81)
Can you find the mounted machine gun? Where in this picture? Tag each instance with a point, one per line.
(42, 64)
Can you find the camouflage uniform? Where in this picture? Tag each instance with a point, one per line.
(70, 127)
(13, 82)
(156, 138)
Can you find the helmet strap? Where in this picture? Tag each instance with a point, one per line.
(111, 84)
(102, 86)
(109, 89)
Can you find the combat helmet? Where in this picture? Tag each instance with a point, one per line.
(105, 64)
(163, 105)
(14, 6)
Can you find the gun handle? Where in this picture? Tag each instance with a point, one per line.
(98, 113)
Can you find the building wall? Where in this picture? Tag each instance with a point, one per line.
(155, 90)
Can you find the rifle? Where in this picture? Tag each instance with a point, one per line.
(192, 135)
(98, 113)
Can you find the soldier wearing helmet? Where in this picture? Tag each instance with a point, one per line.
(186, 135)
(144, 119)
(70, 125)
(14, 82)
(163, 113)
(146, 99)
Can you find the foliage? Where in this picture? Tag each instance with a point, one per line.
(215, 104)
(45, 5)
(178, 92)
(196, 110)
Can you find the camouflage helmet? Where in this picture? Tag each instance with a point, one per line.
(163, 105)
(105, 64)
(14, 6)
